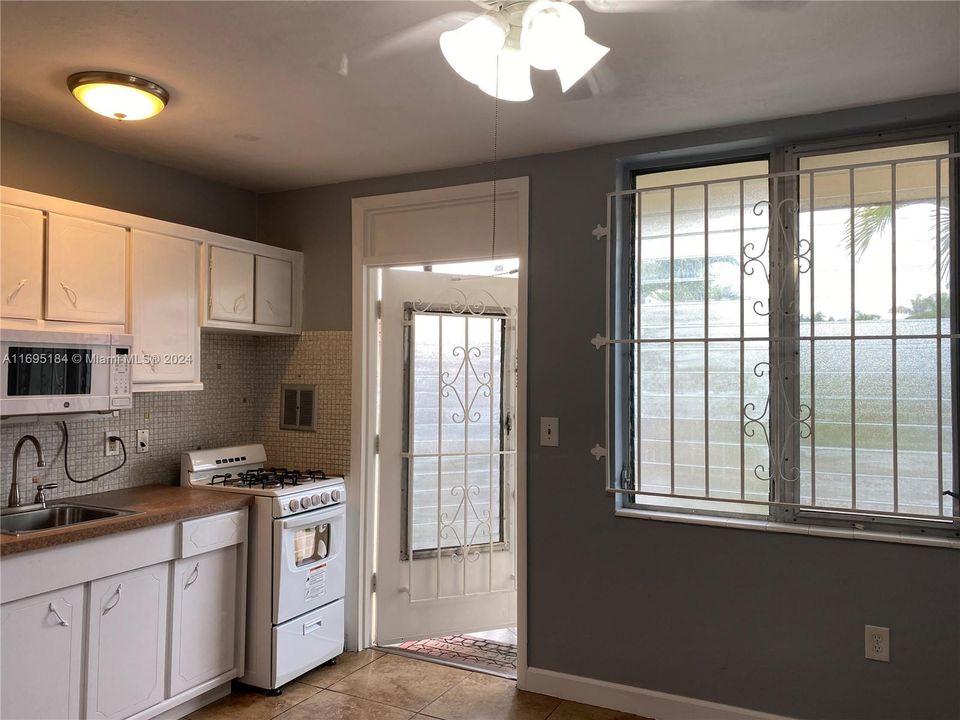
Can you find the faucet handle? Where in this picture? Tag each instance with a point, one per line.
(40, 497)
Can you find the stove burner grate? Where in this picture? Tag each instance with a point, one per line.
(269, 478)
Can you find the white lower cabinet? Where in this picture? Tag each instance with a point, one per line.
(119, 642)
(41, 640)
(127, 648)
(204, 618)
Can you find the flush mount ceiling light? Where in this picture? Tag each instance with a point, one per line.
(496, 50)
(117, 95)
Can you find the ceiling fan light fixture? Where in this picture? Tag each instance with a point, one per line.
(549, 28)
(511, 81)
(117, 95)
(578, 61)
(471, 50)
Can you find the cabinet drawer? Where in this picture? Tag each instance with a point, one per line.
(215, 531)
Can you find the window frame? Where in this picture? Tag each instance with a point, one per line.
(782, 158)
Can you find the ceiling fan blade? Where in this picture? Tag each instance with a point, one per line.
(600, 80)
(640, 6)
(416, 37)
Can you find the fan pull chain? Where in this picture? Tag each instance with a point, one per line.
(496, 132)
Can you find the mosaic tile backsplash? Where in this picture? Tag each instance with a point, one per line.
(240, 403)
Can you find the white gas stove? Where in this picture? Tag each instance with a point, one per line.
(297, 560)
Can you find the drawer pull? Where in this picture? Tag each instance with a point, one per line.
(110, 607)
(60, 620)
(194, 576)
(312, 627)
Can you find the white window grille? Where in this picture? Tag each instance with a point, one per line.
(787, 343)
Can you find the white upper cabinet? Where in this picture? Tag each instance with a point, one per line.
(42, 655)
(86, 271)
(126, 659)
(274, 292)
(231, 285)
(21, 262)
(164, 320)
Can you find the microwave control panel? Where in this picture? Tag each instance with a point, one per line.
(120, 378)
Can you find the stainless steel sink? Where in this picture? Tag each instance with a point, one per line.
(19, 522)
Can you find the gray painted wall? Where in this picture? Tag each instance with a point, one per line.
(58, 165)
(758, 620)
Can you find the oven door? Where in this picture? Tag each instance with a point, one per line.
(309, 561)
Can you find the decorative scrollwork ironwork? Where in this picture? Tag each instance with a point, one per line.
(796, 256)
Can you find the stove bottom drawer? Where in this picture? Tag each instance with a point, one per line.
(299, 645)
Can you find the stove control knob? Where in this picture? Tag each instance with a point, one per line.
(335, 495)
(315, 499)
(325, 498)
(294, 505)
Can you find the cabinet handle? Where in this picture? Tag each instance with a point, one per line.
(60, 620)
(16, 290)
(109, 607)
(240, 303)
(71, 295)
(194, 576)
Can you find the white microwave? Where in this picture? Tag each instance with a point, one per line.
(47, 372)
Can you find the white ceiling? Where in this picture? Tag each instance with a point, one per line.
(257, 100)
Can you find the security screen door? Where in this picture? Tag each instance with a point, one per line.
(446, 507)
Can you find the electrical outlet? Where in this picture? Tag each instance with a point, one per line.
(110, 447)
(876, 643)
(143, 441)
(550, 432)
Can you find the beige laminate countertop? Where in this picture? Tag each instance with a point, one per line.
(152, 505)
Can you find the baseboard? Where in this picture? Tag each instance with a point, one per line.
(626, 698)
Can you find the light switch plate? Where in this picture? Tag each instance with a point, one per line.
(549, 432)
(143, 441)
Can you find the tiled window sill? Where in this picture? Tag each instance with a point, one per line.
(795, 529)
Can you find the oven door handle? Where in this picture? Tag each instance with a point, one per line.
(312, 518)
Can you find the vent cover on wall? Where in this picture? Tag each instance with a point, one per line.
(297, 407)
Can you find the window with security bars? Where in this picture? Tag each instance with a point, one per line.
(786, 344)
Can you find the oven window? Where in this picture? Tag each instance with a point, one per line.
(47, 371)
(311, 544)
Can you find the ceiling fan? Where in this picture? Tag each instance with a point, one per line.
(496, 49)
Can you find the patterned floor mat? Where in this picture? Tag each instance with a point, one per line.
(492, 655)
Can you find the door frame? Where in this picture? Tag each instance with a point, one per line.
(386, 231)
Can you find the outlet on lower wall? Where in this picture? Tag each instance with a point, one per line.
(876, 643)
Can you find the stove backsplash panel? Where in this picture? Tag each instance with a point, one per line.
(240, 403)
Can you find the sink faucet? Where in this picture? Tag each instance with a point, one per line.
(14, 499)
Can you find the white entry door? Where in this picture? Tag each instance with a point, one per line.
(446, 546)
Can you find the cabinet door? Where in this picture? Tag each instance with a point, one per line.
(86, 271)
(231, 285)
(166, 334)
(204, 625)
(40, 641)
(21, 262)
(127, 647)
(274, 291)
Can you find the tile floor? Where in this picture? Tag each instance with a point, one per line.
(371, 685)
